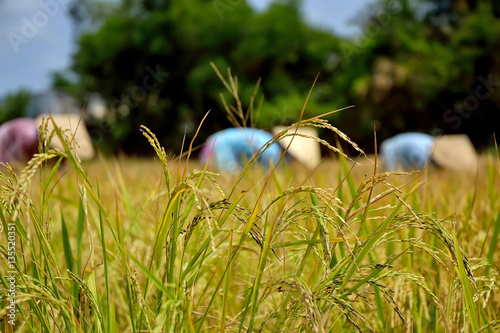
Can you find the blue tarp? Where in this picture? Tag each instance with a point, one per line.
(233, 147)
(407, 151)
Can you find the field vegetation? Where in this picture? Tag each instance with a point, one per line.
(164, 245)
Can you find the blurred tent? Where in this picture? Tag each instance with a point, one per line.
(412, 150)
(231, 148)
(304, 148)
(76, 131)
(18, 140)
(406, 151)
(455, 152)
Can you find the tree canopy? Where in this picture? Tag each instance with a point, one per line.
(427, 65)
(439, 78)
(14, 105)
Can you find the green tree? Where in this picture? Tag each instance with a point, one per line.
(178, 40)
(415, 66)
(14, 105)
(414, 72)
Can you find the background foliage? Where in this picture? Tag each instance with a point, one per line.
(418, 65)
(14, 105)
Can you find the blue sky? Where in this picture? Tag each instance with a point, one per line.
(36, 36)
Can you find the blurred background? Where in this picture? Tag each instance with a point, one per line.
(407, 65)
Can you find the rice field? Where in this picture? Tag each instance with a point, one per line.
(164, 245)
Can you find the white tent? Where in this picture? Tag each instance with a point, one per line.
(455, 152)
(305, 150)
(75, 129)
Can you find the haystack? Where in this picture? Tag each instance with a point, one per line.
(76, 131)
(305, 150)
(455, 152)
